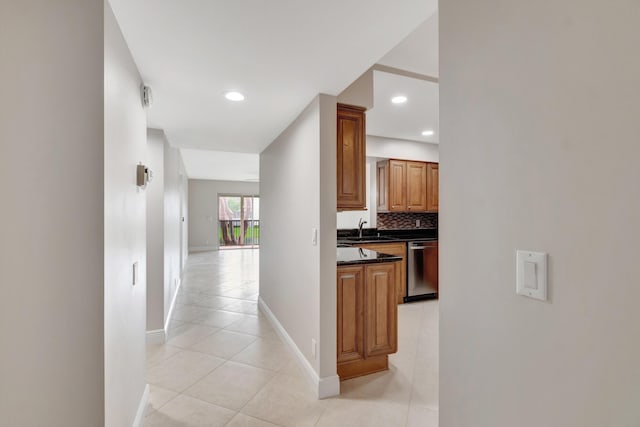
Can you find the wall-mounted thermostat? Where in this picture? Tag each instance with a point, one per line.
(143, 175)
(147, 96)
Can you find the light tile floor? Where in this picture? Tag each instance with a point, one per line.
(223, 364)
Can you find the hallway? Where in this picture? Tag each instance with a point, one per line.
(223, 364)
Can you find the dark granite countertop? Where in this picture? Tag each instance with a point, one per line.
(372, 235)
(353, 256)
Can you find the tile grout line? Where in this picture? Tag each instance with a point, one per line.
(198, 321)
(254, 395)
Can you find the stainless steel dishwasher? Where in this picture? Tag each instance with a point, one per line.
(422, 270)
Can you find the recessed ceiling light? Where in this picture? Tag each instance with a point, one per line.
(401, 99)
(427, 133)
(234, 96)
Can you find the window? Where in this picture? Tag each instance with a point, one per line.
(238, 221)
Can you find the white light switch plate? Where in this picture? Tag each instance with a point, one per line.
(531, 270)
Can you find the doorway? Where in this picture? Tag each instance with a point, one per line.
(238, 221)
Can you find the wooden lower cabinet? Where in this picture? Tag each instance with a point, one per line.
(399, 249)
(381, 310)
(350, 313)
(367, 318)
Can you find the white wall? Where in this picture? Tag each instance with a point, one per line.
(175, 193)
(51, 233)
(155, 230)
(329, 381)
(539, 119)
(203, 209)
(297, 279)
(184, 216)
(388, 148)
(125, 144)
(164, 240)
(360, 92)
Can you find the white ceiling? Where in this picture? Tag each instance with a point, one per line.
(279, 53)
(221, 165)
(408, 120)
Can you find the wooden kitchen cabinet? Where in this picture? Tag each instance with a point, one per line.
(351, 163)
(432, 187)
(407, 186)
(367, 318)
(382, 187)
(381, 310)
(350, 313)
(392, 186)
(397, 186)
(399, 249)
(416, 186)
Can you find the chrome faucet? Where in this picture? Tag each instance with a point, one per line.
(360, 224)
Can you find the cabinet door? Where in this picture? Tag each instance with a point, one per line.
(350, 313)
(397, 186)
(416, 186)
(351, 166)
(432, 187)
(382, 185)
(399, 249)
(381, 310)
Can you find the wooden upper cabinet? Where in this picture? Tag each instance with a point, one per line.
(416, 186)
(381, 310)
(351, 166)
(350, 313)
(382, 187)
(432, 187)
(407, 186)
(397, 186)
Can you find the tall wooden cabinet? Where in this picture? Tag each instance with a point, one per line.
(407, 186)
(367, 318)
(351, 163)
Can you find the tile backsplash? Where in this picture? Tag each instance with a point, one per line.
(406, 221)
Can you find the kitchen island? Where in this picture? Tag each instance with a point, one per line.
(367, 311)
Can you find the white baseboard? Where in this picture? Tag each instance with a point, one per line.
(323, 387)
(156, 336)
(202, 248)
(142, 408)
(329, 387)
(159, 336)
(171, 307)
